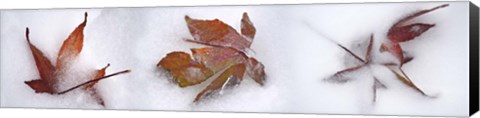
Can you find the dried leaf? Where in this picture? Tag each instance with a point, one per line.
(256, 71)
(92, 88)
(407, 33)
(41, 86)
(99, 73)
(400, 32)
(247, 27)
(230, 77)
(216, 33)
(185, 71)
(227, 54)
(45, 68)
(72, 46)
(217, 58)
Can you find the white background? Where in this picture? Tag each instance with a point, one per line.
(137, 3)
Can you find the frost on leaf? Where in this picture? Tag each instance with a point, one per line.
(225, 55)
(49, 73)
(230, 77)
(399, 32)
(185, 71)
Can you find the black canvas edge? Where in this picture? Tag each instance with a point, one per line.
(474, 59)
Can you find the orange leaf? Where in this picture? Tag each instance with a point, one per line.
(72, 46)
(91, 87)
(99, 73)
(185, 71)
(227, 54)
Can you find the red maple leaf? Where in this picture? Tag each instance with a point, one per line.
(70, 49)
(225, 56)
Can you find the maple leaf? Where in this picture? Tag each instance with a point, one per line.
(226, 55)
(339, 77)
(49, 73)
(398, 33)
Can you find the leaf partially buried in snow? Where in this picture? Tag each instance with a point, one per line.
(230, 77)
(399, 32)
(217, 58)
(225, 55)
(71, 47)
(256, 70)
(185, 71)
(92, 86)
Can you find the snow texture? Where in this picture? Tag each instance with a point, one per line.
(292, 42)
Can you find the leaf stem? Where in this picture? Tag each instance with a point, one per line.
(338, 44)
(91, 81)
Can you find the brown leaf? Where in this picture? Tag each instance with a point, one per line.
(40, 86)
(226, 53)
(230, 77)
(256, 71)
(45, 69)
(247, 27)
(72, 46)
(217, 58)
(216, 33)
(185, 71)
(98, 74)
(92, 88)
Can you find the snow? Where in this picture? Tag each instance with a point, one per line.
(292, 41)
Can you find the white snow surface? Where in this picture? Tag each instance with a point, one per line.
(291, 42)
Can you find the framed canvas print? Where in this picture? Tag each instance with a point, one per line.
(405, 58)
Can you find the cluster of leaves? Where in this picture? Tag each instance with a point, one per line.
(49, 73)
(225, 54)
(398, 33)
